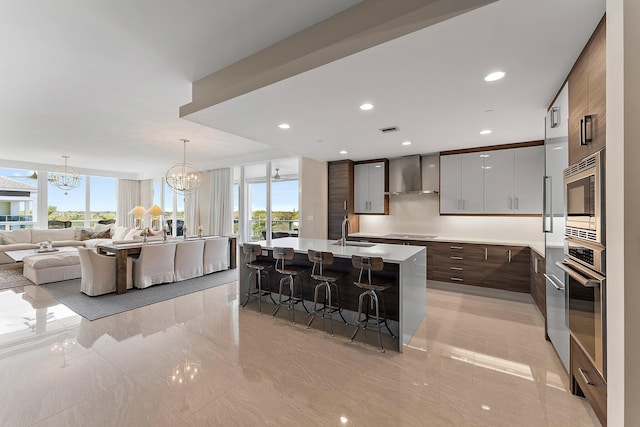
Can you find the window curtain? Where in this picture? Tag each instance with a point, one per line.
(191, 212)
(220, 221)
(128, 197)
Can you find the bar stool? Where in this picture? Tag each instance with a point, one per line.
(251, 251)
(373, 291)
(320, 260)
(291, 272)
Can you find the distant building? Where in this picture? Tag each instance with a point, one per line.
(16, 197)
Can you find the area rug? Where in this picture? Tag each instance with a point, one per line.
(11, 278)
(92, 308)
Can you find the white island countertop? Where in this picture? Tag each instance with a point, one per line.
(389, 253)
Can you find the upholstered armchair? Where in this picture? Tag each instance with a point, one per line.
(155, 265)
(216, 254)
(188, 263)
(99, 272)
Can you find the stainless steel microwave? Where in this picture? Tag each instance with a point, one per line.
(584, 198)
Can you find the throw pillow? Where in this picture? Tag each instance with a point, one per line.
(99, 228)
(131, 234)
(120, 233)
(86, 234)
(82, 232)
(105, 234)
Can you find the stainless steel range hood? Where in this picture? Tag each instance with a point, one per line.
(406, 177)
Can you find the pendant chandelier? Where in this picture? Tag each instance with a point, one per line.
(183, 177)
(65, 177)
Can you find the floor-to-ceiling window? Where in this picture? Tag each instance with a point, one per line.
(284, 197)
(18, 198)
(102, 199)
(236, 200)
(266, 199)
(67, 206)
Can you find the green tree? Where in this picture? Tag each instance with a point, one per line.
(51, 209)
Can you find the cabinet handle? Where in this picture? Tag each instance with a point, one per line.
(535, 265)
(486, 253)
(583, 140)
(457, 247)
(585, 377)
(459, 204)
(462, 204)
(509, 252)
(510, 203)
(515, 201)
(588, 129)
(456, 258)
(457, 268)
(547, 208)
(457, 279)
(345, 205)
(555, 117)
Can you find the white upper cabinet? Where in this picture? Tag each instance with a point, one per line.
(529, 170)
(369, 188)
(461, 184)
(498, 181)
(472, 188)
(492, 182)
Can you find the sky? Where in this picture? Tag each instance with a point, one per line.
(103, 192)
(284, 194)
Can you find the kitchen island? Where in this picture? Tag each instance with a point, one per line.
(404, 268)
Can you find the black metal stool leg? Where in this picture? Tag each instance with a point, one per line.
(386, 319)
(328, 297)
(375, 299)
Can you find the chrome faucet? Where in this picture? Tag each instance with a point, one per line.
(346, 226)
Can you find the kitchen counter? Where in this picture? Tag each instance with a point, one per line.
(536, 246)
(404, 268)
(390, 253)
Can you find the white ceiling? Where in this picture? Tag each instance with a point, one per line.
(429, 83)
(103, 81)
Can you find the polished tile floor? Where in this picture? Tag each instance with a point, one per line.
(199, 360)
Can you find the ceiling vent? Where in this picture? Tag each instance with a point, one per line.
(390, 129)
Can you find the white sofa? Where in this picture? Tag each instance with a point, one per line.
(27, 238)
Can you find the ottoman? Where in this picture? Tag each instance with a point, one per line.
(47, 268)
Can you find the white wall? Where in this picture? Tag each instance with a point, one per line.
(623, 211)
(419, 214)
(314, 189)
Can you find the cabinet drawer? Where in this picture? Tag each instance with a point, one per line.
(585, 375)
(459, 260)
(456, 276)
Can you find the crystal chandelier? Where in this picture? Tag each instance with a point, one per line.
(183, 177)
(65, 177)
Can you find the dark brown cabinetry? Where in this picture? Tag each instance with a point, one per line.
(538, 285)
(587, 382)
(340, 176)
(587, 98)
(490, 266)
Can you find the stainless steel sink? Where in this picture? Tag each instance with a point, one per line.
(350, 243)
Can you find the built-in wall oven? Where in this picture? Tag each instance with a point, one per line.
(587, 320)
(584, 191)
(585, 256)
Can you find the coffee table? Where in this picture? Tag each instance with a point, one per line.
(18, 256)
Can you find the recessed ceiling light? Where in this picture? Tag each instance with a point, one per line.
(485, 132)
(406, 143)
(284, 126)
(496, 75)
(366, 106)
(343, 152)
(344, 419)
(557, 148)
(484, 156)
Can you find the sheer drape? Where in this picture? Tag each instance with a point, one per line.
(220, 221)
(128, 198)
(191, 212)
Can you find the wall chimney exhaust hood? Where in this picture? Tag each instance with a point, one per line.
(406, 176)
